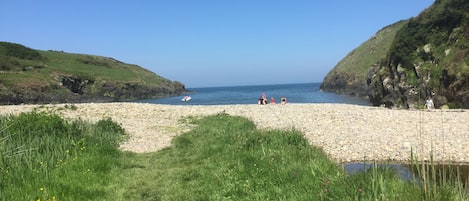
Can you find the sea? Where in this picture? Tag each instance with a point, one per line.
(229, 95)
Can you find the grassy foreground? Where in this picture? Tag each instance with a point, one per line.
(43, 157)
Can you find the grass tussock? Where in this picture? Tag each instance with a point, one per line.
(43, 157)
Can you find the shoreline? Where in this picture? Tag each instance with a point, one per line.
(347, 133)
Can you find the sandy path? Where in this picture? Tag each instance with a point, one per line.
(345, 132)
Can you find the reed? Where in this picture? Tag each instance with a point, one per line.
(437, 181)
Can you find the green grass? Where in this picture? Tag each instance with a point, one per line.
(43, 157)
(97, 67)
(37, 76)
(223, 158)
(20, 61)
(103, 68)
(371, 52)
(226, 158)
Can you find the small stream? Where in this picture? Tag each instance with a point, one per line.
(409, 173)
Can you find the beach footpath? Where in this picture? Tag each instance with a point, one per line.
(345, 132)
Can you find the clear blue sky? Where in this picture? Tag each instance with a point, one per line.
(208, 42)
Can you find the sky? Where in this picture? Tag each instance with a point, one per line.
(206, 43)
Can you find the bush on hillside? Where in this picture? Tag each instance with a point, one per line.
(19, 51)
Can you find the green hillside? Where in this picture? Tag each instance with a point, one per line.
(35, 76)
(349, 75)
(427, 58)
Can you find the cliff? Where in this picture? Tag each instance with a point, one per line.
(427, 58)
(35, 76)
(349, 76)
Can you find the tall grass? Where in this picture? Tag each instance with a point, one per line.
(43, 157)
(439, 182)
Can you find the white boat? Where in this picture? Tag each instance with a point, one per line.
(186, 98)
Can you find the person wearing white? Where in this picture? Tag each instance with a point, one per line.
(429, 104)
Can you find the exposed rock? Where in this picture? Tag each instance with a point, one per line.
(428, 58)
(75, 84)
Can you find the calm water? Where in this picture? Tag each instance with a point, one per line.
(295, 93)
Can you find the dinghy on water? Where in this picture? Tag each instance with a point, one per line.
(186, 98)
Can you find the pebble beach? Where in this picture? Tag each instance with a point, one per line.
(346, 133)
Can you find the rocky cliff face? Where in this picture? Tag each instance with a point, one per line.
(428, 58)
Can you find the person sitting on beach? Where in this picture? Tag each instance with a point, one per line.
(283, 100)
(262, 101)
(272, 101)
(429, 104)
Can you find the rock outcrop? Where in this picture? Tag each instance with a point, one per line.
(428, 58)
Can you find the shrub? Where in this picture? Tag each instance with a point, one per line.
(20, 51)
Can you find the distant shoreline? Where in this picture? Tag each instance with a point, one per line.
(345, 132)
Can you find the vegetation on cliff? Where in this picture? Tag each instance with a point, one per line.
(349, 75)
(428, 58)
(36, 76)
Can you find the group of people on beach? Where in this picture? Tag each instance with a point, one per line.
(263, 100)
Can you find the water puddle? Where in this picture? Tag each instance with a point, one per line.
(408, 172)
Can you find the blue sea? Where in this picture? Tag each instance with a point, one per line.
(295, 93)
